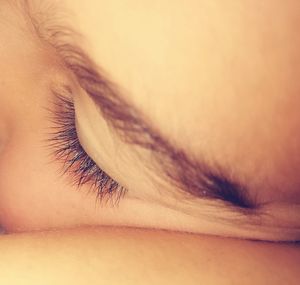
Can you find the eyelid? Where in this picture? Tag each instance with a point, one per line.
(102, 143)
(263, 231)
(130, 123)
(66, 147)
(92, 129)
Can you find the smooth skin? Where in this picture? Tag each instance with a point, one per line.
(235, 80)
(123, 256)
(219, 81)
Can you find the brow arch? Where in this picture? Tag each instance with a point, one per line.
(192, 176)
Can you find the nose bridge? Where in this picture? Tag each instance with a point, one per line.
(21, 73)
(19, 108)
(25, 95)
(12, 104)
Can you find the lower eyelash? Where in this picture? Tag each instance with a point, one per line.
(65, 147)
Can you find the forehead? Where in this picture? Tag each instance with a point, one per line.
(200, 55)
(220, 79)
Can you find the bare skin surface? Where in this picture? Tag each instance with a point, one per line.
(225, 93)
(127, 256)
(246, 123)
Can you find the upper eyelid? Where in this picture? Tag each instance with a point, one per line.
(67, 50)
(134, 129)
(65, 40)
(195, 178)
(65, 146)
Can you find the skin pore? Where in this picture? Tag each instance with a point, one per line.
(218, 81)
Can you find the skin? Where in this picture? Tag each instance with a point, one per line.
(174, 64)
(237, 112)
(175, 60)
(142, 257)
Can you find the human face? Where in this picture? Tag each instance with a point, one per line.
(192, 108)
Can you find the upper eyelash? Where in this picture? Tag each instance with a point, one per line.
(65, 146)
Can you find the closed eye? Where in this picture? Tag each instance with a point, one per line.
(65, 147)
(193, 177)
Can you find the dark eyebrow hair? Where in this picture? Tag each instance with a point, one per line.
(195, 178)
(186, 173)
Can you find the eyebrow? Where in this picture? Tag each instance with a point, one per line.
(182, 170)
(192, 176)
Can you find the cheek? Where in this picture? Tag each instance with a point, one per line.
(33, 194)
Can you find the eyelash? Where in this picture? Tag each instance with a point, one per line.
(65, 146)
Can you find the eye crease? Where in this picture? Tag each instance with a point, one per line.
(193, 177)
(106, 143)
(66, 148)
